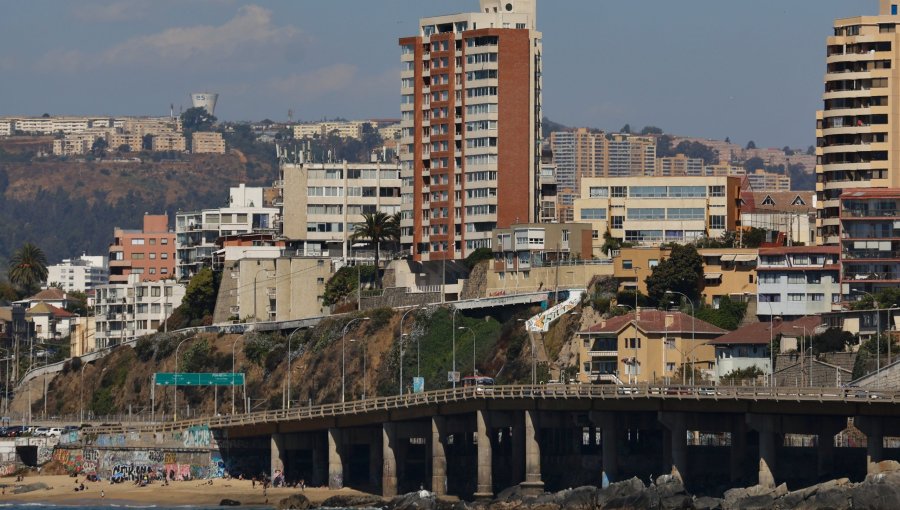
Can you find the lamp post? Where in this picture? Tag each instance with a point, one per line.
(255, 279)
(233, 345)
(343, 358)
(289, 370)
(693, 335)
(365, 347)
(877, 329)
(81, 395)
(175, 400)
(802, 351)
(474, 372)
(453, 318)
(402, 318)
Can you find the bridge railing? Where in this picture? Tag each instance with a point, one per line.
(544, 392)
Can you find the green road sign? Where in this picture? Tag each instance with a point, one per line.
(199, 379)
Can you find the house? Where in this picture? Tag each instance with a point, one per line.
(53, 296)
(645, 347)
(49, 321)
(749, 346)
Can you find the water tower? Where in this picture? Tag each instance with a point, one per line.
(205, 100)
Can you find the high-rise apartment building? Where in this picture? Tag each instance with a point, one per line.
(857, 131)
(583, 154)
(149, 252)
(470, 127)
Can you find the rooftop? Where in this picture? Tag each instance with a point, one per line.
(654, 321)
(759, 333)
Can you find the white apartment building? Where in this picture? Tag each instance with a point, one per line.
(5, 127)
(81, 274)
(196, 232)
(126, 311)
(207, 143)
(348, 129)
(796, 281)
(649, 211)
(323, 201)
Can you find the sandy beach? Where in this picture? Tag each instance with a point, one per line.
(196, 493)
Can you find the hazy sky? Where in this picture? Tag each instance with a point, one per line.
(712, 68)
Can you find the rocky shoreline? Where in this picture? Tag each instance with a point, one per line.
(876, 492)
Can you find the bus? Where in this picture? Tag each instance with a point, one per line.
(480, 382)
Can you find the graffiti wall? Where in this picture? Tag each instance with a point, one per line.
(134, 464)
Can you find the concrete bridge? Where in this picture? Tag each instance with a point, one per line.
(476, 441)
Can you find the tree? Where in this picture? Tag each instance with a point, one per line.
(98, 149)
(197, 119)
(787, 150)
(77, 303)
(753, 164)
(728, 315)
(832, 340)
(200, 295)
(811, 150)
(680, 272)
(626, 129)
(376, 228)
(28, 267)
(727, 139)
(123, 148)
(477, 256)
(651, 130)
(751, 144)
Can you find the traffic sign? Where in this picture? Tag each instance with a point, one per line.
(198, 379)
(418, 384)
(452, 376)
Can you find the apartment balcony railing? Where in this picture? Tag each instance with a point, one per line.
(869, 213)
(887, 276)
(603, 354)
(854, 255)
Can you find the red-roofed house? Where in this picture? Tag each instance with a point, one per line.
(626, 349)
(749, 346)
(49, 321)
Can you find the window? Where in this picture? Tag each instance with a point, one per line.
(717, 222)
(320, 281)
(598, 192)
(795, 297)
(164, 241)
(164, 256)
(627, 264)
(717, 191)
(154, 291)
(685, 213)
(670, 367)
(646, 213)
(593, 214)
(770, 298)
(617, 221)
(153, 256)
(164, 271)
(619, 191)
(814, 278)
(816, 297)
(137, 242)
(632, 343)
(137, 256)
(152, 241)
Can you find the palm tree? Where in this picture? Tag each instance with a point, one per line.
(28, 267)
(375, 229)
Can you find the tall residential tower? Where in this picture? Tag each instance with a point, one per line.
(858, 131)
(471, 128)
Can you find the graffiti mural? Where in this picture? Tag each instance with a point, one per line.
(7, 469)
(134, 464)
(108, 440)
(69, 437)
(197, 437)
(44, 454)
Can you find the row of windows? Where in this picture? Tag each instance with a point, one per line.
(481, 176)
(139, 241)
(481, 159)
(324, 209)
(324, 227)
(481, 209)
(797, 297)
(485, 74)
(479, 125)
(474, 143)
(324, 191)
(480, 91)
(481, 58)
(481, 193)
(477, 109)
(656, 191)
(151, 256)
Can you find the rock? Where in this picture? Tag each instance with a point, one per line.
(780, 491)
(348, 501)
(441, 504)
(30, 487)
(764, 502)
(580, 498)
(619, 491)
(677, 502)
(837, 498)
(875, 495)
(766, 479)
(886, 466)
(419, 500)
(229, 502)
(707, 503)
(294, 502)
(673, 487)
(732, 496)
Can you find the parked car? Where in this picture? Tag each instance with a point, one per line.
(14, 431)
(40, 431)
(54, 432)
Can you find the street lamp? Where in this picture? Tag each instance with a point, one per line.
(802, 351)
(693, 335)
(175, 400)
(255, 296)
(81, 395)
(289, 370)
(474, 372)
(365, 348)
(453, 317)
(343, 358)
(233, 345)
(877, 329)
(402, 318)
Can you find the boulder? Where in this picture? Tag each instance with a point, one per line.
(229, 502)
(619, 491)
(294, 502)
(875, 495)
(419, 500)
(707, 503)
(764, 502)
(580, 498)
(350, 501)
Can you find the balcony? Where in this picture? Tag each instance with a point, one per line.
(871, 276)
(603, 354)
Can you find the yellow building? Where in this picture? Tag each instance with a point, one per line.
(650, 211)
(168, 142)
(727, 272)
(857, 135)
(207, 142)
(649, 347)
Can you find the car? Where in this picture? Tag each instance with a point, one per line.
(40, 431)
(14, 431)
(54, 432)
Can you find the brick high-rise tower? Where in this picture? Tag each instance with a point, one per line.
(471, 128)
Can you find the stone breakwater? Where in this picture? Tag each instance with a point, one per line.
(877, 492)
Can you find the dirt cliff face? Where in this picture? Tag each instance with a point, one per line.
(371, 353)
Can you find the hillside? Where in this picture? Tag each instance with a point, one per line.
(122, 379)
(69, 207)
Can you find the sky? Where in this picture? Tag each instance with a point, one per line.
(749, 70)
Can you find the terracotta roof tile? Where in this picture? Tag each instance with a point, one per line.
(758, 333)
(654, 321)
